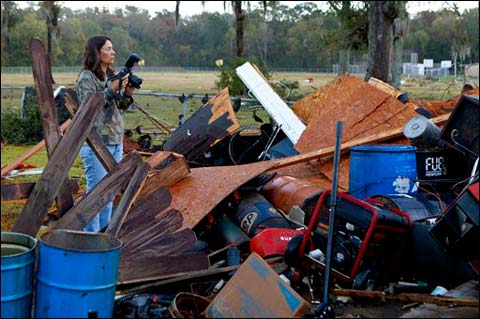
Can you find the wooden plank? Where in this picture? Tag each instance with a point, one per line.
(22, 190)
(105, 191)
(93, 139)
(409, 297)
(129, 196)
(327, 151)
(48, 112)
(283, 115)
(56, 170)
(8, 168)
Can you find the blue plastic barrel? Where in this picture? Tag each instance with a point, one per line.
(77, 273)
(382, 169)
(18, 261)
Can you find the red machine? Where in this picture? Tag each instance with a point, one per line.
(365, 235)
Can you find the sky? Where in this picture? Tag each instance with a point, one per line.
(188, 8)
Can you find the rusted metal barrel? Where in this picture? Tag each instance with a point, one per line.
(286, 191)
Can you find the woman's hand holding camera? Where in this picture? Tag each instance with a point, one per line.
(120, 83)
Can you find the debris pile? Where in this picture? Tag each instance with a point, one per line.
(202, 236)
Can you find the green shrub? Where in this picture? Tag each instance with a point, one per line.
(228, 77)
(16, 129)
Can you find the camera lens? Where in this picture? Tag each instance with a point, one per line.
(135, 81)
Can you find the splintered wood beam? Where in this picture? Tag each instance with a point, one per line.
(23, 190)
(56, 170)
(93, 139)
(328, 151)
(48, 112)
(105, 191)
(10, 167)
(129, 196)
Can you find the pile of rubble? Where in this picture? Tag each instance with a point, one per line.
(204, 237)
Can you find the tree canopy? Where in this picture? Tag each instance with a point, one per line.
(280, 37)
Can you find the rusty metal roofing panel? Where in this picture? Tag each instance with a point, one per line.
(197, 194)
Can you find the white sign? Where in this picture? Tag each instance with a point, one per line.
(428, 63)
(446, 64)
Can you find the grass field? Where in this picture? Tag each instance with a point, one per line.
(168, 109)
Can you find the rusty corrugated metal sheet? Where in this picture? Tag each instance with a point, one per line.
(197, 194)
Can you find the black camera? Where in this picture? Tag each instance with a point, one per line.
(133, 80)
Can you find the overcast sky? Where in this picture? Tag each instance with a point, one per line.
(188, 8)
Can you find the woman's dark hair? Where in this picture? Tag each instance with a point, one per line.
(91, 56)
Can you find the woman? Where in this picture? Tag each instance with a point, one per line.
(98, 59)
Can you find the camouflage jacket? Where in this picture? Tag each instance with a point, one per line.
(109, 124)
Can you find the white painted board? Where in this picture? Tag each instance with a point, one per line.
(283, 115)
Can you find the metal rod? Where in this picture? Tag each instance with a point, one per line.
(331, 214)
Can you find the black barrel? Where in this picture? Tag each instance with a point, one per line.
(418, 206)
(254, 213)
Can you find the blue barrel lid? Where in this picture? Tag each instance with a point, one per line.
(383, 148)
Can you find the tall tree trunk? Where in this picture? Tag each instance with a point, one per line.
(239, 25)
(380, 33)
(344, 61)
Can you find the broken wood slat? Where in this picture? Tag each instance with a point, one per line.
(156, 121)
(209, 124)
(105, 191)
(56, 170)
(138, 270)
(48, 112)
(23, 190)
(197, 194)
(283, 115)
(143, 212)
(8, 168)
(327, 151)
(93, 139)
(153, 228)
(167, 176)
(410, 297)
(129, 196)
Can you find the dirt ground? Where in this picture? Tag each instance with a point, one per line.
(395, 309)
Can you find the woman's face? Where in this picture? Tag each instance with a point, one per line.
(107, 54)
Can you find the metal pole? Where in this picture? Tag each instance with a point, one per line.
(331, 215)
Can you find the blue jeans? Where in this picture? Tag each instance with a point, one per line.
(94, 172)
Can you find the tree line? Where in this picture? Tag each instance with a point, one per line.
(275, 36)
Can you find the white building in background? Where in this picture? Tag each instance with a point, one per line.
(413, 69)
(427, 68)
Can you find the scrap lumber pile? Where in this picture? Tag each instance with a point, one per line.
(250, 240)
